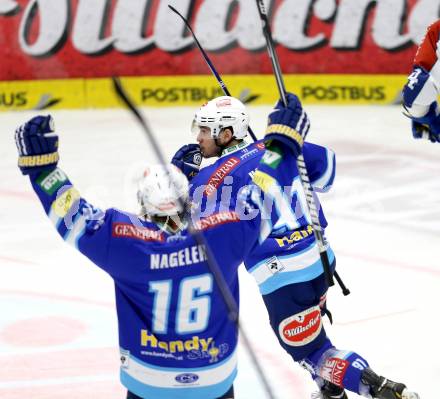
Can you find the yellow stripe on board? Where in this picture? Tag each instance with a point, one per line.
(162, 91)
(37, 94)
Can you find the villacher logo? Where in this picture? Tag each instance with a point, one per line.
(302, 328)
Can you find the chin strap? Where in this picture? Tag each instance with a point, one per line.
(179, 221)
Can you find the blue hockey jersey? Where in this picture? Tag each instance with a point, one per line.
(290, 254)
(176, 340)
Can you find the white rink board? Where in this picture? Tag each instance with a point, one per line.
(57, 321)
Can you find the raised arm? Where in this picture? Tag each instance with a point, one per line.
(76, 221)
(275, 201)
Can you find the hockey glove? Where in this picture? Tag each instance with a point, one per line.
(37, 145)
(428, 126)
(188, 160)
(289, 125)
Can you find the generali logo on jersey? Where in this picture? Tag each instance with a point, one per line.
(219, 175)
(217, 219)
(140, 233)
(302, 328)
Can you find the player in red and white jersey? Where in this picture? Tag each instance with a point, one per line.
(422, 89)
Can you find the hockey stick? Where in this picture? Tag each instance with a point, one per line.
(208, 61)
(200, 239)
(283, 95)
(317, 229)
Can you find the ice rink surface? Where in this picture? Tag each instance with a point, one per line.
(58, 337)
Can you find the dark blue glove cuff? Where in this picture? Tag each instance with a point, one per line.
(34, 164)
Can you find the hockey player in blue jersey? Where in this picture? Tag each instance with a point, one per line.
(176, 340)
(287, 266)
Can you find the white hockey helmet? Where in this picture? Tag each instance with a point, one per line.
(222, 112)
(163, 190)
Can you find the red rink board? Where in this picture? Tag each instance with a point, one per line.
(42, 39)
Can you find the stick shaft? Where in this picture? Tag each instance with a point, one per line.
(200, 239)
(317, 229)
(208, 61)
(282, 91)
